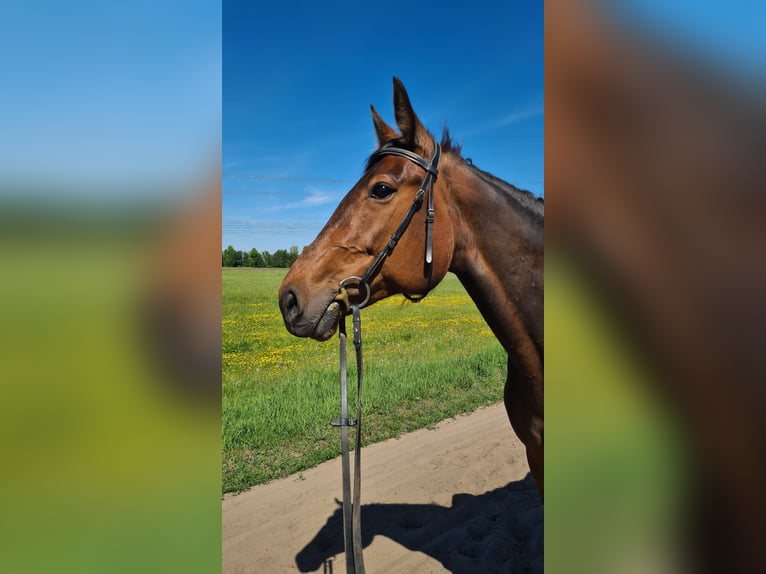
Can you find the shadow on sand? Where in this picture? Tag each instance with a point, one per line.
(498, 531)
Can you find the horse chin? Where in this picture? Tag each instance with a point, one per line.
(328, 322)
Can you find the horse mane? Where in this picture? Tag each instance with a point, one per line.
(530, 202)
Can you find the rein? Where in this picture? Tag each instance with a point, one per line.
(352, 523)
(352, 511)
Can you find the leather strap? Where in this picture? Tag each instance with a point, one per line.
(389, 149)
(352, 511)
(357, 513)
(432, 171)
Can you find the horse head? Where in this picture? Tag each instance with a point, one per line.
(362, 227)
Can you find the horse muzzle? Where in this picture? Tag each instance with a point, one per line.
(301, 322)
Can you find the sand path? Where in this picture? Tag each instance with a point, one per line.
(456, 498)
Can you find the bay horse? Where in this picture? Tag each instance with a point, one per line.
(484, 230)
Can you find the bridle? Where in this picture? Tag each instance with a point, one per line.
(432, 171)
(352, 527)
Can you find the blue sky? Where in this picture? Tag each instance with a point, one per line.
(102, 98)
(298, 79)
(108, 99)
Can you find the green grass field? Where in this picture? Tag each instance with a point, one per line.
(422, 363)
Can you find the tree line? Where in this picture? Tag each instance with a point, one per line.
(231, 257)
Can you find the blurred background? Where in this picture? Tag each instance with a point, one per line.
(110, 228)
(110, 288)
(655, 275)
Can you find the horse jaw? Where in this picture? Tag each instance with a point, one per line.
(328, 322)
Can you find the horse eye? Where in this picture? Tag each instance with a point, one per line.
(381, 191)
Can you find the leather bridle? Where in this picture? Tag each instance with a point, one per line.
(432, 171)
(352, 527)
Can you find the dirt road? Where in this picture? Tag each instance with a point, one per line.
(454, 499)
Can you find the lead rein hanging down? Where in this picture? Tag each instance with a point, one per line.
(352, 528)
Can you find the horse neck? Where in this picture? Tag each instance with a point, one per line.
(498, 258)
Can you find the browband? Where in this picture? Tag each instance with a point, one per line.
(389, 149)
(432, 170)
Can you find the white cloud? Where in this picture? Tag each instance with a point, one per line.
(520, 114)
(316, 197)
(526, 111)
(313, 198)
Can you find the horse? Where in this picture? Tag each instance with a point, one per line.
(484, 230)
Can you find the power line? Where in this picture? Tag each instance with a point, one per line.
(235, 226)
(302, 192)
(262, 192)
(286, 178)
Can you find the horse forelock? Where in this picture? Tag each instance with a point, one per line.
(449, 145)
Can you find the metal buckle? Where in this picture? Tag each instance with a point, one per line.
(343, 422)
(342, 295)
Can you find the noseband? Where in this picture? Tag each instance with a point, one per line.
(432, 171)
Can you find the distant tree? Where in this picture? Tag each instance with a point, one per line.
(281, 258)
(293, 255)
(253, 258)
(231, 257)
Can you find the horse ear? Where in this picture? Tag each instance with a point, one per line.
(385, 132)
(413, 131)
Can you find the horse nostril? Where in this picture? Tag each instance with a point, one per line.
(289, 304)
